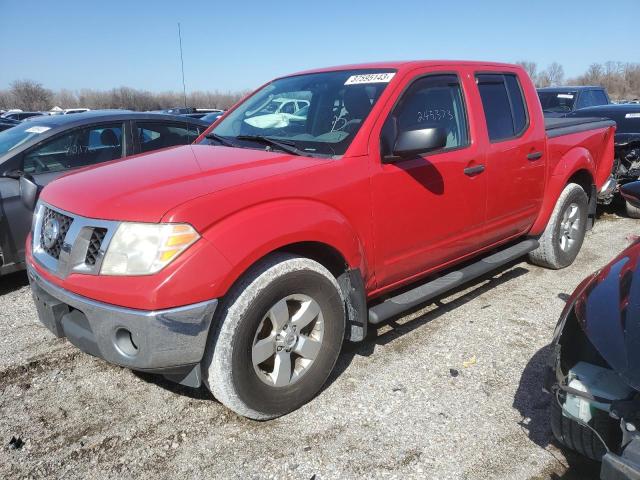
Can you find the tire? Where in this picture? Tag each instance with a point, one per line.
(632, 212)
(251, 314)
(559, 244)
(576, 436)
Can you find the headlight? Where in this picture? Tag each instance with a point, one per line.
(146, 248)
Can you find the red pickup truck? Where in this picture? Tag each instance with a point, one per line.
(244, 260)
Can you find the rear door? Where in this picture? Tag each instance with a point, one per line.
(515, 156)
(427, 210)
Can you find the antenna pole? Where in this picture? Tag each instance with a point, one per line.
(184, 88)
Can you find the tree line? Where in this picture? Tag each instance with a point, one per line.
(622, 80)
(30, 95)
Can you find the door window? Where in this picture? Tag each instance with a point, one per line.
(584, 100)
(599, 98)
(76, 148)
(434, 101)
(154, 135)
(503, 103)
(590, 98)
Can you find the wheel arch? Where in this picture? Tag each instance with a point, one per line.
(575, 166)
(584, 178)
(304, 227)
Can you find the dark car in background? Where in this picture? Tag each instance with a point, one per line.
(626, 166)
(559, 101)
(21, 115)
(191, 111)
(6, 123)
(212, 117)
(50, 147)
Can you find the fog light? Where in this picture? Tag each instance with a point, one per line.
(124, 343)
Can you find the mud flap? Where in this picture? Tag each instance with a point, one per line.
(352, 287)
(593, 203)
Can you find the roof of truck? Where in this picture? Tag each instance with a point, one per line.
(564, 88)
(407, 64)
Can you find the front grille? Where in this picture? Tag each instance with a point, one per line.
(94, 245)
(64, 222)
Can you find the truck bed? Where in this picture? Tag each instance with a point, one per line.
(556, 127)
(567, 135)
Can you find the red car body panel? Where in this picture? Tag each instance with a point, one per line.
(395, 222)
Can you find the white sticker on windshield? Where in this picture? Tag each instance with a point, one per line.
(370, 78)
(632, 115)
(37, 129)
(565, 95)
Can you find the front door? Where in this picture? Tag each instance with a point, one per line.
(429, 209)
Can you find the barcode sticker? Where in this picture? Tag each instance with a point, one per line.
(565, 95)
(37, 129)
(370, 78)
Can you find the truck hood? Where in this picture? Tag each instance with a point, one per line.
(144, 187)
(608, 311)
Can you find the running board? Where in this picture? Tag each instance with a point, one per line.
(427, 291)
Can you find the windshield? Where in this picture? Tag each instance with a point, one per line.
(317, 113)
(16, 136)
(557, 101)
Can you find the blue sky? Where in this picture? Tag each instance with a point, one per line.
(238, 45)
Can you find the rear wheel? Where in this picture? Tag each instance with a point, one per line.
(278, 337)
(563, 237)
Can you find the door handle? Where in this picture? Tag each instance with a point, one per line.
(534, 156)
(471, 171)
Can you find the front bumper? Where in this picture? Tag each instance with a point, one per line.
(170, 342)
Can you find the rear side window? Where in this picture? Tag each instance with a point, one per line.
(585, 99)
(599, 98)
(153, 135)
(591, 98)
(503, 103)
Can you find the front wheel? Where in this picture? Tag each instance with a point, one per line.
(564, 234)
(279, 333)
(582, 439)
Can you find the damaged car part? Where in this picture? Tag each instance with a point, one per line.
(594, 370)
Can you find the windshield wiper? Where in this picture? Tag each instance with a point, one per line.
(220, 139)
(288, 147)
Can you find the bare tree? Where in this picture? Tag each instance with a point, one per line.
(530, 67)
(543, 79)
(593, 75)
(66, 98)
(6, 101)
(30, 95)
(555, 74)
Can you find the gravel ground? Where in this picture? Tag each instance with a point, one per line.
(392, 409)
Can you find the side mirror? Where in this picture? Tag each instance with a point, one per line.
(414, 142)
(28, 191)
(631, 193)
